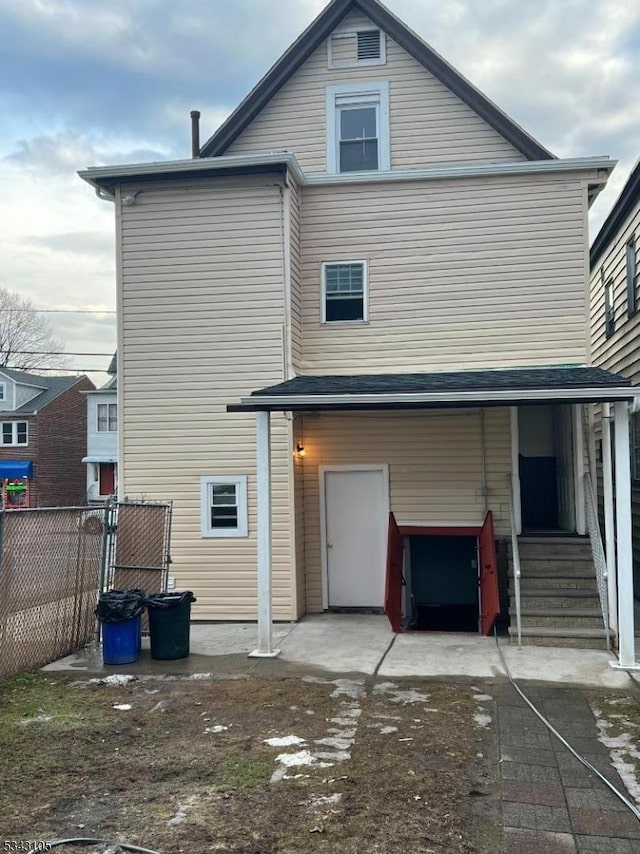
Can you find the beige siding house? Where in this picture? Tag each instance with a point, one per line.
(353, 345)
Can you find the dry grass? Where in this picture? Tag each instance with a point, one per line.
(73, 765)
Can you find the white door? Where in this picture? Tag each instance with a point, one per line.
(564, 462)
(356, 537)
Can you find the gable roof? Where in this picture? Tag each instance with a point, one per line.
(51, 387)
(622, 207)
(316, 34)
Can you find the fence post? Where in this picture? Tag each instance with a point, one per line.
(3, 594)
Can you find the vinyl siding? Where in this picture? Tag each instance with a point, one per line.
(435, 469)
(621, 352)
(202, 313)
(295, 277)
(462, 273)
(428, 123)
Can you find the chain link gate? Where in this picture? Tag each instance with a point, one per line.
(136, 548)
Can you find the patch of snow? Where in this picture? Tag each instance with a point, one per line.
(197, 677)
(482, 719)
(482, 698)
(388, 717)
(285, 741)
(326, 800)
(388, 730)
(123, 707)
(352, 712)
(292, 760)
(216, 729)
(160, 706)
(353, 688)
(622, 749)
(342, 733)
(114, 679)
(309, 712)
(336, 743)
(181, 815)
(398, 695)
(316, 680)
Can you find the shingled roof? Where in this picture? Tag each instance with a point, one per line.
(51, 387)
(313, 37)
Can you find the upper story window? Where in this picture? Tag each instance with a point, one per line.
(344, 291)
(3, 391)
(107, 417)
(15, 433)
(351, 48)
(609, 309)
(223, 506)
(635, 446)
(632, 277)
(358, 127)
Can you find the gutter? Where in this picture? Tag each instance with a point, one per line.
(104, 178)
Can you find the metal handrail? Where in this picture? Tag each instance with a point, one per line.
(515, 557)
(598, 553)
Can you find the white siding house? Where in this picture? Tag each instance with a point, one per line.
(102, 439)
(336, 326)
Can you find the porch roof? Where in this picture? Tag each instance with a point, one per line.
(494, 387)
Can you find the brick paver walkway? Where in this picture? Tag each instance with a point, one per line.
(551, 803)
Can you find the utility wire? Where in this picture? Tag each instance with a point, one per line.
(37, 369)
(56, 311)
(57, 353)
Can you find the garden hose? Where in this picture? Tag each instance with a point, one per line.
(87, 841)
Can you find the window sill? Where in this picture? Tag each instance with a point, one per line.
(332, 323)
(224, 535)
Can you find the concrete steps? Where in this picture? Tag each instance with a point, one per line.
(559, 599)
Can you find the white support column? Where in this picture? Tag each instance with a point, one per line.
(515, 467)
(578, 469)
(263, 488)
(626, 639)
(609, 517)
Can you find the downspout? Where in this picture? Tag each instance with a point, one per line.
(287, 367)
(105, 195)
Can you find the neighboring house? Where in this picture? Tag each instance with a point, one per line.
(387, 275)
(102, 438)
(43, 424)
(615, 316)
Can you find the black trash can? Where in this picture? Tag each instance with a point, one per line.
(169, 624)
(119, 613)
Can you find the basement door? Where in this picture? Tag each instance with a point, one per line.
(355, 511)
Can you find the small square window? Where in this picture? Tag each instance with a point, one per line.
(344, 291)
(223, 506)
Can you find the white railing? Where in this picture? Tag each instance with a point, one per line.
(515, 558)
(597, 550)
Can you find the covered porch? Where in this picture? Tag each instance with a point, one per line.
(424, 463)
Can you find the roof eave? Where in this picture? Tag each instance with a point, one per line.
(108, 177)
(407, 400)
(622, 207)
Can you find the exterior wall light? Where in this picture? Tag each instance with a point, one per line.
(300, 451)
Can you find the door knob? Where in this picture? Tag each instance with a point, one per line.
(329, 545)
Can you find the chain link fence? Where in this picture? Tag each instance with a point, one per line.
(137, 547)
(50, 569)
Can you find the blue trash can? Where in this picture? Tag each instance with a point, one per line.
(120, 616)
(121, 641)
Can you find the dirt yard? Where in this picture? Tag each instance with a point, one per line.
(256, 766)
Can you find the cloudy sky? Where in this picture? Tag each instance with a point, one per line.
(93, 82)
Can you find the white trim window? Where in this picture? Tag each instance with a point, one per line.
(223, 506)
(3, 392)
(107, 417)
(635, 446)
(345, 291)
(15, 432)
(358, 127)
(354, 48)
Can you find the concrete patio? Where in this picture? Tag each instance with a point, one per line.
(348, 643)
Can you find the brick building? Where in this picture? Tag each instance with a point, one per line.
(43, 438)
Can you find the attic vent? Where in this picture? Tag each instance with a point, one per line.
(348, 49)
(369, 46)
